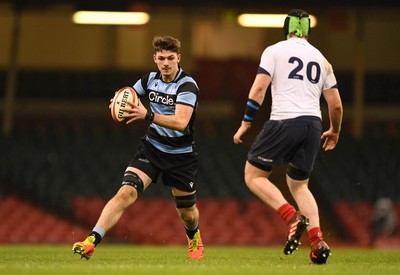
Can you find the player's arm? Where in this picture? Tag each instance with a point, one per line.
(255, 99)
(259, 87)
(335, 111)
(178, 121)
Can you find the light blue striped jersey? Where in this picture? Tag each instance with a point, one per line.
(163, 98)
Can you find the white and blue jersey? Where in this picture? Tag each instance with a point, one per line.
(163, 97)
(299, 74)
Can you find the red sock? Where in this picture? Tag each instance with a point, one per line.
(314, 235)
(286, 211)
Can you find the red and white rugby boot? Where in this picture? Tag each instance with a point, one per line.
(296, 226)
(320, 252)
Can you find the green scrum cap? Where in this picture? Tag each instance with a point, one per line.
(297, 21)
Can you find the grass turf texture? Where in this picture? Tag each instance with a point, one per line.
(126, 259)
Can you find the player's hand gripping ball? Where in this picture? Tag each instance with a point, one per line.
(125, 94)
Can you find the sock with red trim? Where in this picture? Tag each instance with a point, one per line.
(315, 235)
(286, 211)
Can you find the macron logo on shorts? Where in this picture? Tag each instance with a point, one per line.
(144, 160)
(264, 159)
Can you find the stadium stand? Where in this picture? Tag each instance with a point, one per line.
(212, 76)
(358, 172)
(59, 162)
(249, 221)
(24, 222)
(65, 165)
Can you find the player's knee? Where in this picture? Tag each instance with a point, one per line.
(296, 173)
(250, 181)
(185, 201)
(252, 176)
(132, 179)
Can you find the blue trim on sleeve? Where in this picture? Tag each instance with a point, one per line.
(262, 71)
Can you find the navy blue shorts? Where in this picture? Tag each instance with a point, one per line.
(178, 170)
(294, 141)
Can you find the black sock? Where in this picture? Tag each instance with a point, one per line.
(190, 233)
(97, 237)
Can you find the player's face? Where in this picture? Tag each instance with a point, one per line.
(167, 63)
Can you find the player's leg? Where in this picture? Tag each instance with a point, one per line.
(134, 182)
(304, 199)
(257, 181)
(260, 160)
(320, 251)
(298, 174)
(186, 208)
(189, 214)
(180, 173)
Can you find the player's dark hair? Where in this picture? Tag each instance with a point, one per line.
(166, 43)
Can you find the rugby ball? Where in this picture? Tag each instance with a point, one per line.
(123, 95)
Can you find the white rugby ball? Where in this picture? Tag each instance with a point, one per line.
(125, 94)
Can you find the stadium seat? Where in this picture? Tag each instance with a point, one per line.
(27, 223)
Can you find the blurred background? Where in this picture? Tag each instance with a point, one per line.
(62, 156)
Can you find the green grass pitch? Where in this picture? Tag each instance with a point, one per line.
(112, 259)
